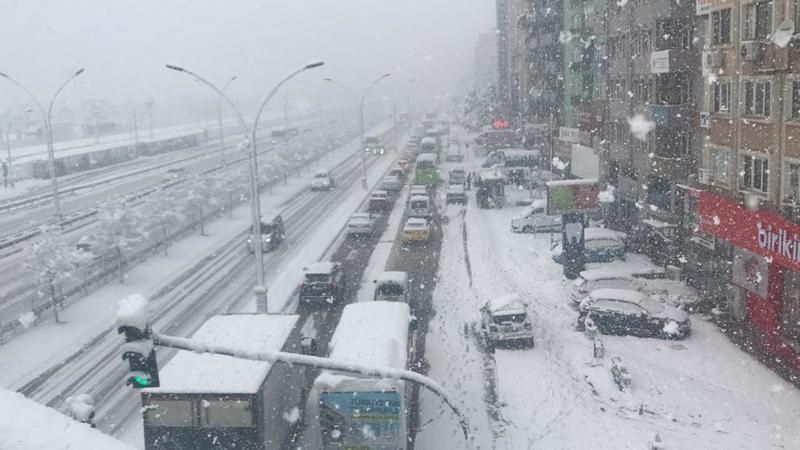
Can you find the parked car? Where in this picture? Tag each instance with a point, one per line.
(601, 245)
(420, 206)
(505, 320)
(416, 229)
(322, 181)
(456, 194)
(534, 218)
(391, 183)
(591, 280)
(392, 286)
(323, 282)
(626, 312)
(272, 234)
(361, 224)
(378, 201)
(456, 176)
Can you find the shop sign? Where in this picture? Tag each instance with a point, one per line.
(750, 272)
(659, 61)
(760, 232)
(706, 6)
(572, 196)
(563, 150)
(569, 134)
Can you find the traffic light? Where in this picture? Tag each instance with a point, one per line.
(141, 355)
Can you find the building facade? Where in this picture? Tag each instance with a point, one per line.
(751, 165)
(486, 61)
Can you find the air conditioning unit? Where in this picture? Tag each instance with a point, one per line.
(751, 50)
(704, 176)
(712, 58)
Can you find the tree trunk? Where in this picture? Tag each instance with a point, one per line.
(53, 300)
(202, 223)
(119, 265)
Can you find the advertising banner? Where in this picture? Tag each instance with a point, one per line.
(572, 196)
(361, 420)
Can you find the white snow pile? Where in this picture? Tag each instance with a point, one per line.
(671, 328)
(81, 407)
(606, 196)
(641, 126)
(27, 319)
(27, 425)
(134, 311)
(566, 36)
(558, 164)
(782, 37)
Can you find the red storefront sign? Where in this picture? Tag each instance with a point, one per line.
(761, 232)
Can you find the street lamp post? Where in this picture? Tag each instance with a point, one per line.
(219, 121)
(360, 105)
(260, 289)
(46, 120)
(394, 110)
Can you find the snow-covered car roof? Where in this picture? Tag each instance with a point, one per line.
(456, 171)
(379, 193)
(420, 197)
(492, 174)
(506, 304)
(321, 173)
(321, 268)
(605, 274)
(455, 188)
(430, 157)
(416, 222)
(361, 217)
(393, 276)
(604, 233)
(652, 306)
(428, 140)
(191, 372)
(390, 177)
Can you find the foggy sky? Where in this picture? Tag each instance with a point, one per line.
(124, 44)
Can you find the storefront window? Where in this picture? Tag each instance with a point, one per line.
(791, 306)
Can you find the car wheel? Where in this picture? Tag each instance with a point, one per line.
(527, 229)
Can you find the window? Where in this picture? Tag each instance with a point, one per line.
(721, 27)
(720, 164)
(756, 98)
(791, 306)
(722, 97)
(164, 412)
(757, 21)
(792, 180)
(227, 413)
(756, 173)
(795, 99)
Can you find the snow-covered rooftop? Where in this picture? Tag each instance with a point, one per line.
(27, 425)
(320, 267)
(575, 182)
(191, 373)
(371, 334)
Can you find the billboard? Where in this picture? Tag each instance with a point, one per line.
(572, 196)
(361, 420)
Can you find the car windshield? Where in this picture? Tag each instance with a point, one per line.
(508, 162)
(503, 319)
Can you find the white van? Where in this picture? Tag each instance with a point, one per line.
(392, 286)
(420, 206)
(534, 219)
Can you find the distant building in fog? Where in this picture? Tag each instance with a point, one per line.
(486, 60)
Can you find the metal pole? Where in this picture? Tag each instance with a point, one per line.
(46, 115)
(219, 121)
(261, 287)
(364, 183)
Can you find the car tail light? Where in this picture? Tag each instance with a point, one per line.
(492, 328)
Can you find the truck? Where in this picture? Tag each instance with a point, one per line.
(208, 401)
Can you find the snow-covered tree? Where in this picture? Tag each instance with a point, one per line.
(200, 196)
(119, 229)
(82, 262)
(163, 212)
(232, 187)
(50, 265)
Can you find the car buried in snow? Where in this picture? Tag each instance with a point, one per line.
(378, 201)
(323, 282)
(505, 320)
(626, 312)
(534, 219)
(601, 245)
(417, 229)
(456, 194)
(361, 224)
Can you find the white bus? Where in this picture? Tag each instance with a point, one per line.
(345, 411)
(210, 401)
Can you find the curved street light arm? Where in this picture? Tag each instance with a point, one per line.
(29, 93)
(366, 91)
(58, 91)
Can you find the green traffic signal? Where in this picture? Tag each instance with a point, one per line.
(140, 381)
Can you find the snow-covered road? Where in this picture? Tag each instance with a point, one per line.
(703, 392)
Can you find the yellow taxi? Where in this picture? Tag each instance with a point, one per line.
(417, 229)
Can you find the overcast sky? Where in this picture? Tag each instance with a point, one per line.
(124, 44)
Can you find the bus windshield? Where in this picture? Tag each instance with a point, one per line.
(360, 419)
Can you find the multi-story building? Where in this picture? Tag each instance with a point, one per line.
(486, 61)
(512, 61)
(653, 86)
(744, 243)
